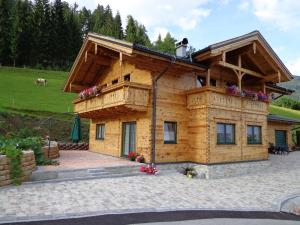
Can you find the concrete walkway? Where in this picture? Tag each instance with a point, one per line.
(261, 191)
(86, 159)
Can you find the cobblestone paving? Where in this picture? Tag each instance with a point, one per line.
(164, 191)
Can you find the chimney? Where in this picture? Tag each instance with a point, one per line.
(181, 47)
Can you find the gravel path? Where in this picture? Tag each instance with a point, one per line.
(144, 193)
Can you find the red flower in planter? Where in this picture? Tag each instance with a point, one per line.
(132, 156)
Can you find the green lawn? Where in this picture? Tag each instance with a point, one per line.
(284, 112)
(18, 91)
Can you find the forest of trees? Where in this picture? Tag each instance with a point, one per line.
(44, 34)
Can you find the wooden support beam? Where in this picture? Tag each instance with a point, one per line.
(96, 49)
(254, 47)
(121, 58)
(234, 67)
(279, 76)
(264, 88)
(223, 56)
(208, 78)
(85, 56)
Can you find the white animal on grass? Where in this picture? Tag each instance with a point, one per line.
(41, 81)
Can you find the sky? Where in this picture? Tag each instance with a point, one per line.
(205, 22)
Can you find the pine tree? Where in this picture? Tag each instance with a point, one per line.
(118, 30)
(131, 30)
(108, 23)
(142, 37)
(98, 19)
(74, 34)
(85, 21)
(60, 38)
(167, 45)
(5, 31)
(21, 41)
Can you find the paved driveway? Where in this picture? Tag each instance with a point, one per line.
(146, 193)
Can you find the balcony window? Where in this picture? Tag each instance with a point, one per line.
(127, 77)
(254, 134)
(170, 132)
(100, 129)
(201, 81)
(114, 81)
(225, 133)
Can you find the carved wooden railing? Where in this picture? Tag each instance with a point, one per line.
(133, 95)
(218, 98)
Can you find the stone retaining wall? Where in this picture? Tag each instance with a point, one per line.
(28, 165)
(231, 169)
(52, 154)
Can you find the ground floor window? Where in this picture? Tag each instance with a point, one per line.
(100, 130)
(225, 133)
(170, 132)
(254, 134)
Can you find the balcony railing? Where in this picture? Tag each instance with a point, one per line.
(218, 98)
(123, 97)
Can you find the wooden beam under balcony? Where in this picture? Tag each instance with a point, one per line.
(243, 70)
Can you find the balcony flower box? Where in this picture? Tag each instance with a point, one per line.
(89, 92)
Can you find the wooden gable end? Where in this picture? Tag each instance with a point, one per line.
(247, 55)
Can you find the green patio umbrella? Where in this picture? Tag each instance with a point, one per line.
(76, 131)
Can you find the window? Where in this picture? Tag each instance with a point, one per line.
(127, 77)
(213, 82)
(170, 132)
(254, 134)
(100, 129)
(201, 81)
(114, 81)
(225, 133)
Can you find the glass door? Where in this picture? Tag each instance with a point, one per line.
(280, 138)
(129, 138)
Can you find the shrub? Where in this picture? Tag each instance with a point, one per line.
(15, 156)
(189, 171)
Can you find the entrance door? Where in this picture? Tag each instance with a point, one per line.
(280, 138)
(129, 138)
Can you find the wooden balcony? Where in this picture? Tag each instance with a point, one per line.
(218, 98)
(115, 100)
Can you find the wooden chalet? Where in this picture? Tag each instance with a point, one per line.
(207, 107)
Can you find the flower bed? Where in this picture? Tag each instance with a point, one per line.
(27, 166)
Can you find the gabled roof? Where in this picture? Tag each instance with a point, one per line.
(282, 119)
(127, 48)
(255, 36)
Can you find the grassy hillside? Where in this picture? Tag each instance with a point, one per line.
(18, 91)
(24, 105)
(284, 112)
(294, 85)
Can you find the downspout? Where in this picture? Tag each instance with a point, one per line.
(154, 96)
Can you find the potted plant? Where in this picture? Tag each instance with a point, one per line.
(132, 156)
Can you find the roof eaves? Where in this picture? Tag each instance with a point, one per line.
(144, 49)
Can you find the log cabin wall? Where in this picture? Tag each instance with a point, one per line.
(119, 70)
(273, 126)
(171, 106)
(112, 143)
